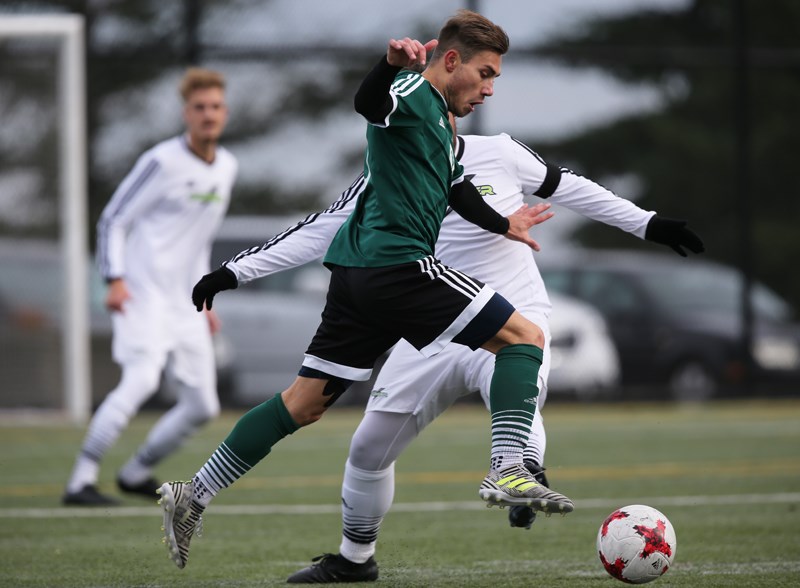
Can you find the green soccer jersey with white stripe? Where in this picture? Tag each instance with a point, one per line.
(409, 168)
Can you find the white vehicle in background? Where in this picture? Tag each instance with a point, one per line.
(269, 322)
(583, 359)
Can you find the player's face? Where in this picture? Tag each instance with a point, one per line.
(205, 114)
(472, 82)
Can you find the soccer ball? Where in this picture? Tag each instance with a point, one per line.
(636, 544)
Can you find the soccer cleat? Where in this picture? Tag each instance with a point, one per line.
(524, 516)
(334, 568)
(89, 495)
(182, 519)
(516, 486)
(148, 488)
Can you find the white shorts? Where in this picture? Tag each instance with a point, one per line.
(412, 384)
(179, 341)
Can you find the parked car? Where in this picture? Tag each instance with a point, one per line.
(31, 318)
(269, 322)
(677, 322)
(584, 361)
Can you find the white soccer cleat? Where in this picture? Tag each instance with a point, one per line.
(182, 519)
(516, 486)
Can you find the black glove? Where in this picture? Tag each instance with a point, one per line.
(208, 286)
(674, 234)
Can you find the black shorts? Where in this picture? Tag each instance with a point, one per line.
(424, 302)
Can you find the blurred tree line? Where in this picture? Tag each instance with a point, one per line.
(684, 156)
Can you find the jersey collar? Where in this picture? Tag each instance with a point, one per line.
(460, 145)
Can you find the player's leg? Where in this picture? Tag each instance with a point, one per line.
(430, 305)
(343, 349)
(191, 371)
(367, 493)
(139, 380)
(514, 392)
(411, 392)
(250, 441)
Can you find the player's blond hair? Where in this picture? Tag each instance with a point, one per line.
(198, 78)
(469, 33)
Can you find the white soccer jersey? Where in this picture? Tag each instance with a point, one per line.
(156, 231)
(505, 171)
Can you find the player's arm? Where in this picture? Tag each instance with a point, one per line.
(373, 100)
(137, 192)
(562, 186)
(467, 202)
(301, 243)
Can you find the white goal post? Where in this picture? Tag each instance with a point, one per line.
(68, 30)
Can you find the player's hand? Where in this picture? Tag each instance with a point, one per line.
(214, 322)
(674, 234)
(409, 52)
(523, 219)
(117, 295)
(210, 284)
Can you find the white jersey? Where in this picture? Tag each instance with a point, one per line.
(505, 171)
(156, 231)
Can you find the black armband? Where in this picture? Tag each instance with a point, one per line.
(372, 99)
(551, 181)
(466, 201)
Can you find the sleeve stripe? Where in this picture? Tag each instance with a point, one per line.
(114, 209)
(355, 189)
(529, 150)
(148, 172)
(551, 179)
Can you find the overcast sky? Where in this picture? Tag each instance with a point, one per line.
(533, 99)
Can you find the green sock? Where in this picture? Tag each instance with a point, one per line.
(249, 442)
(259, 429)
(512, 396)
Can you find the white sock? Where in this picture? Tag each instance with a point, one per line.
(366, 498)
(85, 471)
(135, 472)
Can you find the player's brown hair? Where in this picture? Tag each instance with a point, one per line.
(197, 78)
(469, 33)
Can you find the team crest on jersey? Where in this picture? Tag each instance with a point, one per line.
(482, 190)
(379, 393)
(206, 197)
(441, 123)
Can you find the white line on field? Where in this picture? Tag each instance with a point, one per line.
(317, 509)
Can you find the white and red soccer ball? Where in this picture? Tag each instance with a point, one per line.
(636, 544)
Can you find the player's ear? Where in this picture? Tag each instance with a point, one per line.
(452, 59)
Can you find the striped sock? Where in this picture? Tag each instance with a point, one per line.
(249, 442)
(512, 395)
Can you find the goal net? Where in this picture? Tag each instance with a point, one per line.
(44, 318)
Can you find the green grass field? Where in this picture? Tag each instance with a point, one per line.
(727, 475)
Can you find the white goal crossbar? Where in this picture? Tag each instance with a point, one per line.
(68, 30)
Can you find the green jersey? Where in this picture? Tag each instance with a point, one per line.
(409, 168)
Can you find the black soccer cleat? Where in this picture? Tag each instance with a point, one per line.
(524, 516)
(332, 568)
(148, 488)
(521, 516)
(89, 495)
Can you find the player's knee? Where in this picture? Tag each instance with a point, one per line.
(535, 335)
(333, 389)
(519, 330)
(205, 411)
